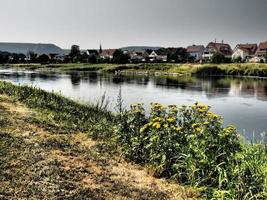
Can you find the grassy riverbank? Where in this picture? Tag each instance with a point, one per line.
(46, 153)
(243, 69)
(44, 137)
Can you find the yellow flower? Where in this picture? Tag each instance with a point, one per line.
(157, 119)
(198, 129)
(178, 129)
(212, 115)
(200, 107)
(144, 128)
(156, 125)
(195, 125)
(165, 125)
(229, 129)
(172, 119)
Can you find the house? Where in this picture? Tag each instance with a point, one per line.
(261, 52)
(92, 52)
(59, 57)
(196, 51)
(107, 53)
(138, 56)
(244, 51)
(159, 55)
(221, 48)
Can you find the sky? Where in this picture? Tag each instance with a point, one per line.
(119, 23)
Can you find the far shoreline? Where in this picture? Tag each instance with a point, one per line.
(249, 70)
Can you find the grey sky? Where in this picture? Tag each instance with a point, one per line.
(117, 23)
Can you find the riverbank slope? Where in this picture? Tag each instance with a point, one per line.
(45, 157)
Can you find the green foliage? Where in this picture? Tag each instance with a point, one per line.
(217, 58)
(190, 144)
(119, 57)
(43, 59)
(75, 53)
(238, 60)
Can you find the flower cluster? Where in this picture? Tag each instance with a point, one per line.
(187, 142)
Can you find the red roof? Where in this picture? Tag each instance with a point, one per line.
(250, 48)
(222, 48)
(262, 49)
(107, 52)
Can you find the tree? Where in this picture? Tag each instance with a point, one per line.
(18, 58)
(120, 57)
(238, 59)
(43, 59)
(265, 57)
(4, 57)
(75, 53)
(92, 58)
(32, 56)
(217, 58)
(178, 55)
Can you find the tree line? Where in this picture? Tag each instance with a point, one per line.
(174, 55)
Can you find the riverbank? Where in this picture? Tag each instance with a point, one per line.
(200, 152)
(47, 154)
(234, 69)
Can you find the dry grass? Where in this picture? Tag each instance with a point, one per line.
(37, 163)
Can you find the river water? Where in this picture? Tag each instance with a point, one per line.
(242, 101)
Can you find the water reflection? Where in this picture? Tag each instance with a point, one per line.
(241, 101)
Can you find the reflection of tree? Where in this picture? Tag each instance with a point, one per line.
(32, 77)
(48, 76)
(217, 87)
(75, 78)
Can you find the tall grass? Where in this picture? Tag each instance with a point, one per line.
(71, 114)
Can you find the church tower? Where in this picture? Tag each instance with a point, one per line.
(100, 49)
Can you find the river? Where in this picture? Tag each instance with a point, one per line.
(241, 101)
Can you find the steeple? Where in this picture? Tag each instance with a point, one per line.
(100, 49)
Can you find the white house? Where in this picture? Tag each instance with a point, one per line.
(157, 56)
(196, 51)
(244, 51)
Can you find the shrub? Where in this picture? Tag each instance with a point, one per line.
(190, 145)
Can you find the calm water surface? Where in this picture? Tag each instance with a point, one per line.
(242, 101)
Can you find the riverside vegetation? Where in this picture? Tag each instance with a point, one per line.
(187, 144)
(233, 69)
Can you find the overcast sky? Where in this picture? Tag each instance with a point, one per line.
(117, 23)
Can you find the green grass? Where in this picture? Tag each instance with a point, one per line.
(65, 112)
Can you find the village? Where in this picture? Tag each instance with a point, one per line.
(214, 52)
(253, 53)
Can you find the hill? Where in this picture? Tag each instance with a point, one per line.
(139, 48)
(24, 48)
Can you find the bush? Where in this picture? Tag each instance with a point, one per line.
(190, 145)
(217, 58)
